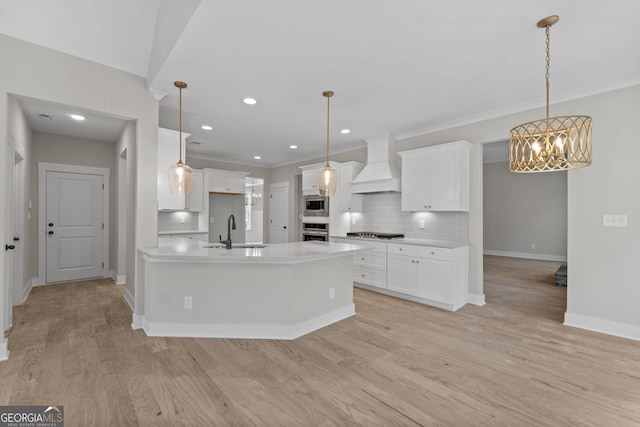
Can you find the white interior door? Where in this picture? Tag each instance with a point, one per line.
(279, 212)
(74, 226)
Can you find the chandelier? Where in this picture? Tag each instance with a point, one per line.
(553, 143)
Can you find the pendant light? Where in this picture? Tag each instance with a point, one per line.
(180, 173)
(328, 178)
(554, 143)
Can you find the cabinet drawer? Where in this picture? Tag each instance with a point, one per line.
(443, 254)
(408, 250)
(371, 277)
(370, 259)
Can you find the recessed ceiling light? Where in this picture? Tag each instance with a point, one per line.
(207, 127)
(77, 117)
(293, 147)
(345, 131)
(249, 101)
(257, 157)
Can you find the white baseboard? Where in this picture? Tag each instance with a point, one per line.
(247, 331)
(27, 290)
(137, 321)
(128, 297)
(37, 281)
(119, 279)
(609, 327)
(4, 350)
(477, 299)
(526, 255)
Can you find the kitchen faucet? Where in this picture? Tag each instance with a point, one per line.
(231, 225)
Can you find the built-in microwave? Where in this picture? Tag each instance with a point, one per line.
(316, 206)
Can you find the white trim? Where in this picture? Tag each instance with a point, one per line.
(526, 255)
(609, 327)
(424, 301)
(137, 321)
(118, 279)
(477, 299)
(128, 297)
(43, 168)
(246, 331)
(4, 350)
(27, 290)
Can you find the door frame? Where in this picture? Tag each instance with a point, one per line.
(43, 168)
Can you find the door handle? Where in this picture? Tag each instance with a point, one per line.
(50, 224)
(51, 232)
(285, 227)
(7, 247)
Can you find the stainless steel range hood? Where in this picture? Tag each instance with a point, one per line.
(381, 173)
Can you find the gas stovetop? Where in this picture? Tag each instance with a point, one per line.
(374, 235)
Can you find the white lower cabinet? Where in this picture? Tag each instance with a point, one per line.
(435, 276)
(370, 266)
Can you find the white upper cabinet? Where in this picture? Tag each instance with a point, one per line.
(310, 179)
(436, 178)
(168, 155)
(194, 199)
(349, 202)
(221, 181)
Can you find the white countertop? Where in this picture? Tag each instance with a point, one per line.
(409, 241)
(167, 233)
(189, 250)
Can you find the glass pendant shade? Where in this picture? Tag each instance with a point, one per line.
(180, 178)
(553, 143)
(328, 177)
(180, 173)
(328, 180)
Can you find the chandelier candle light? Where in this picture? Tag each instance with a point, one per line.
(554, 143)
(180, 173)
(328, 177)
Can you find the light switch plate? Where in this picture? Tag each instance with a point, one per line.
(614, 220)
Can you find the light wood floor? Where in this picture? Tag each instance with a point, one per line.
(396, 363)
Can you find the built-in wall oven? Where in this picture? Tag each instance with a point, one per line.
(315, 231)
(316, 206)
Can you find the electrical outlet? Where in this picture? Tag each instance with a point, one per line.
(353, 221)
(210, 220)
(533, 246)
(188, 302)
(421, 224)
(332, 293)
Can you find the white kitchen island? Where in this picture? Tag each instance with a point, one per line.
(280, 291)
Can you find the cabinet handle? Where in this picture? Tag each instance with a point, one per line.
(400, 249)
(433, 253)
(417, 262)
(362, 275)
(413, 260)
(363, 258)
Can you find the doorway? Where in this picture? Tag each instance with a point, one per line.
(74, 222)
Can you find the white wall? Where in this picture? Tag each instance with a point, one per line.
(524, 209)
(603, 268)
(41, 73)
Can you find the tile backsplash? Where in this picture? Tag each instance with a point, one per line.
(177, 221)
(381, 213)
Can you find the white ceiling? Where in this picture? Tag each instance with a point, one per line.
(400, 67)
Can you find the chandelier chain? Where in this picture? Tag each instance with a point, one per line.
(548, 60)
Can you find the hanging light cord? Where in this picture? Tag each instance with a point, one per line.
(180, 136)
(328, 95)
